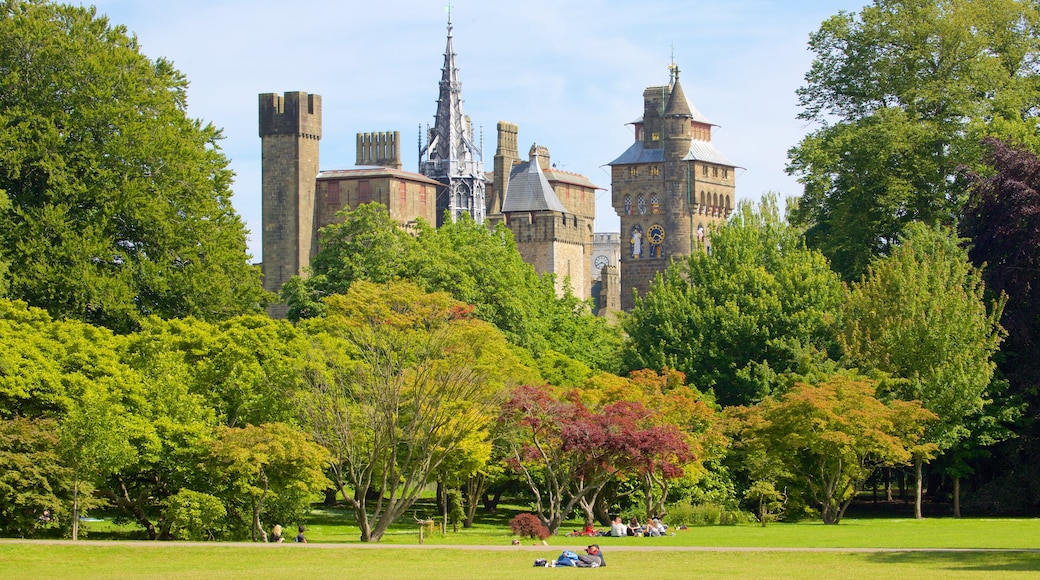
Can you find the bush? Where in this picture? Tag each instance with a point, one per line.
(194, 515)
(684, 513)
(528, 525)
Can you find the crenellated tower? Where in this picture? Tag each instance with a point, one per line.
(290, 129)
(450, 155)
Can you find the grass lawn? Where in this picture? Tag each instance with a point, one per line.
(315, 561)
(333, 551)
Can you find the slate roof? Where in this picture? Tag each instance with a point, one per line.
(699, 151)
(529, 190)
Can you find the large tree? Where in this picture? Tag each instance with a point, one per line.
(902, 92)
(401, 380)
(120, 204)
(733, 319)
(829, 438)
(919, 319)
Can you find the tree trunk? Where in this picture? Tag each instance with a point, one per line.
(888, 484)
(956, 496)
(917, 490)
(75, 510)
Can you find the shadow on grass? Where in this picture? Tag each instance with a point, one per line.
(963, 561)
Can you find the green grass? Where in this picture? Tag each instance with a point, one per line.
(272, 561)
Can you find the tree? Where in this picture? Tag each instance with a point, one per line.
(1002, 220)
(475, 264)
(568, 453)
(902, 92)
(34, 485)
(919, 319)
(733, 319)
(265, 463)
(831, 437)
(401, 380)
(119, 203)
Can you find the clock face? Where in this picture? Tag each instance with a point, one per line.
(601, 261)
(656, 234)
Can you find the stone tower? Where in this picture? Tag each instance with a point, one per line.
(450, 155)
(548, 236)
(290, 128)
(670, 187)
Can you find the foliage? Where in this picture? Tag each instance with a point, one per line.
(401, 380)
(735, 319)
(119, 203)
(266, 463)
(529, 526)
(920, 317)
(831, 437)
(195, 516)
(1002, 220)
(34, 485)
(475, 264)
(902, 92)
(567, 453)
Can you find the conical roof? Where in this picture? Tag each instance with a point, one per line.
(529, 190)
(678, 106)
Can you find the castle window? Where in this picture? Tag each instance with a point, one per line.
(655, 171)
(641, 205)
(364, 192)
(628, 205)
(655, 136)
(633, 171)
(332, 194)
(725, 173)
(704, 170)
(714, 171)
(655, 205)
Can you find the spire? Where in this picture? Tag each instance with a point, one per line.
(450, 156)
(678, 106)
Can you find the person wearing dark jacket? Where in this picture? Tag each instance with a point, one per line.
(592, 557)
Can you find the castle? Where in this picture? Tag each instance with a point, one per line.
(550, 212)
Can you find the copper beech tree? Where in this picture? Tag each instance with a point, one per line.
(568, 452)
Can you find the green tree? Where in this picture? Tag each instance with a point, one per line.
(902, 93)
(919, 319)
(830, 438)
(475, 264)
(733, 320)
(120, 205)
(264, 464)
(402, 379)
(34, 484)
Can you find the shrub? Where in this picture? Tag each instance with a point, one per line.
(528, 525)
(194, 515)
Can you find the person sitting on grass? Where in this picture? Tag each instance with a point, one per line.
(634, 529)
(588, 531)
(299, 537)
(618, 528)
(653, 530)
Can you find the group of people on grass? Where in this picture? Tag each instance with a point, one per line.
(276, 536)
(652, 528)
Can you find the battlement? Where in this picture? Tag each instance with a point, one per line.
(379, 149)
(294, 113)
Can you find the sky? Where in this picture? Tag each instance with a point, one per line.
(570, 73)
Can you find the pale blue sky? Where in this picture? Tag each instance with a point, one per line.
(570, 73)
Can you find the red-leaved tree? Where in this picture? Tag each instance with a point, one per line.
(568, 453)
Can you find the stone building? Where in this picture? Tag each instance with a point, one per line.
(669, 187)
(550, 211)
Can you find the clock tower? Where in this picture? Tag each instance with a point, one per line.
(669, 187)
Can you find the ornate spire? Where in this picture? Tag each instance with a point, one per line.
(450, 156)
